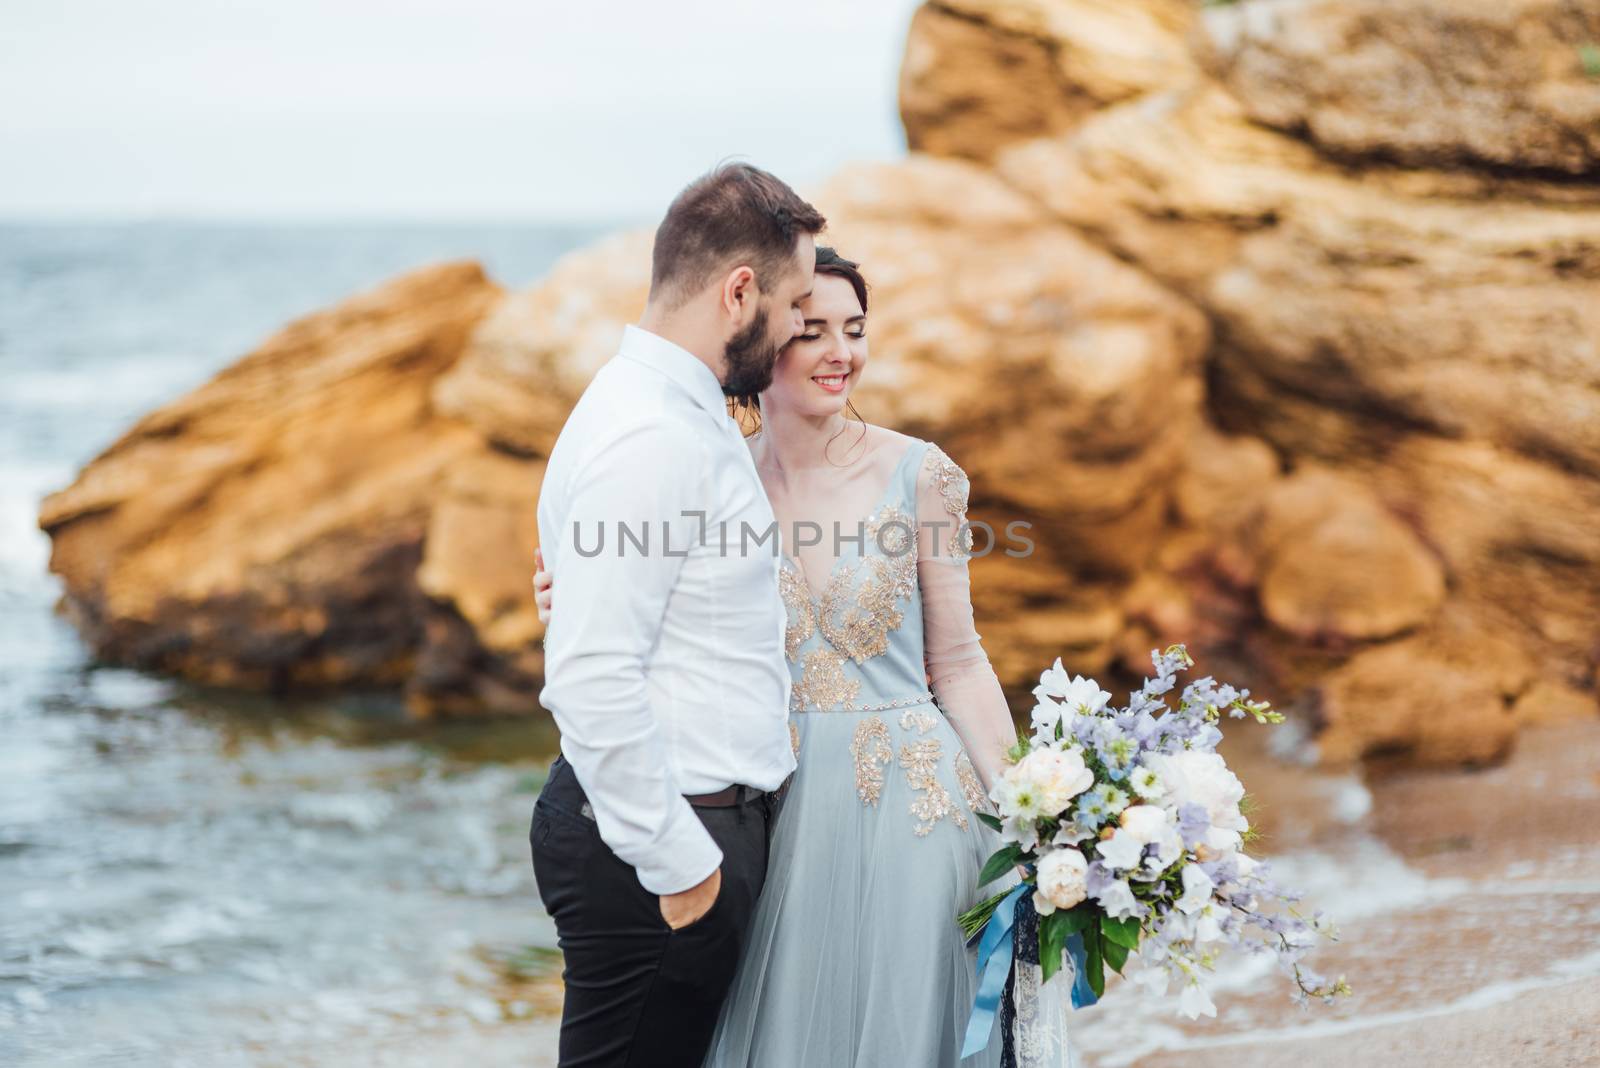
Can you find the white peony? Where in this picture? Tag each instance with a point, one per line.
(1061, 879)
(1202, 778)
(1055, 775)
(1145, 822)
(1122, 850)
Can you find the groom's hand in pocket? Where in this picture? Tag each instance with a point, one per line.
(682, 909)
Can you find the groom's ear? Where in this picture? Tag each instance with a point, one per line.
(740, 293)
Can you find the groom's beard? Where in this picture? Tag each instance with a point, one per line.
(750, 356)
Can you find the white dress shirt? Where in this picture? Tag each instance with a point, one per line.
(664, 668)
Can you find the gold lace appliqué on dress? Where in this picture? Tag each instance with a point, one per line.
(920, 759)
(855, 621)
(953, 487)
(824, 684)
(971, 787)
(872, 751)
(802, 622)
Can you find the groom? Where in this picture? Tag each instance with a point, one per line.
(665, 668)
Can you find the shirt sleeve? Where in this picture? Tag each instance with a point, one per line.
(959, 672)
(600, 637)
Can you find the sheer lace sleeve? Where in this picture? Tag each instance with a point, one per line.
(959, 672)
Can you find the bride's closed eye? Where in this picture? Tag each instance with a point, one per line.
(856, 335)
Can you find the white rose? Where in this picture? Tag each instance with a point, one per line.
(1145, 822)
(1057, 776)
(1061, 880)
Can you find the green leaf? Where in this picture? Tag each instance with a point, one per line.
(1053, 934)
(1077, 918)
(1124, 933)
(988, 820)
(1116, 955)
(1094, 963)
(1002, 862)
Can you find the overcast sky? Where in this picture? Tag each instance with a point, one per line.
(429, 109)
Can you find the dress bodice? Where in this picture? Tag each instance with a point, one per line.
(858, 645)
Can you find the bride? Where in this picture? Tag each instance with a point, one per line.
(898, 722)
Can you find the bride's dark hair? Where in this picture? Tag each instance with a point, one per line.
(747, 407)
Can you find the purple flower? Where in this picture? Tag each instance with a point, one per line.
(1193, 823)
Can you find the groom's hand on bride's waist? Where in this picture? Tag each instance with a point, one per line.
(682, 909)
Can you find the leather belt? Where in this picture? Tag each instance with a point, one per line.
(727, 798)
(736, 794)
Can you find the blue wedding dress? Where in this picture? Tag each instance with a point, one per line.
(854, 958)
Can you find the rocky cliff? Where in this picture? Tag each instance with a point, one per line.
(1279, 321)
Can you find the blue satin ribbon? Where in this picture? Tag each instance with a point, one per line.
(1082, 993)
(994, 969)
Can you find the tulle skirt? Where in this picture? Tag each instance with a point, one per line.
(854, 956)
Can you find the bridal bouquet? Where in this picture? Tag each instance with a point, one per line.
(1131, 831)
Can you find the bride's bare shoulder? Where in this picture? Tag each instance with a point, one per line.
(893, 441)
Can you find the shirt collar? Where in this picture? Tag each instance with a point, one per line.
(678, 364)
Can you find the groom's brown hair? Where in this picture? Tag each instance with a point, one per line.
(734, 214)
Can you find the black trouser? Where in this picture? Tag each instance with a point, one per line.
(640, 994)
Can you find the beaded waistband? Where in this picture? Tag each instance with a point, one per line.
(923, 698)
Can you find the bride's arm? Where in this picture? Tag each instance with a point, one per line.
(960, 675)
